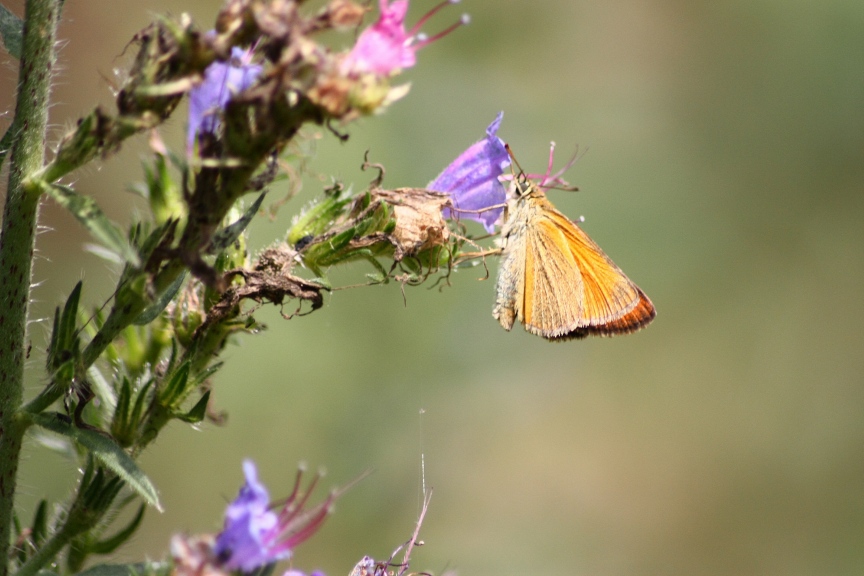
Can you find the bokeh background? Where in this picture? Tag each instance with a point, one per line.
(724, 173)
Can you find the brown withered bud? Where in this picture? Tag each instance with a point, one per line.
(333, 94)
(233, 17)
(194, 556)
(419, 223)
(243, 22)
(276, 19)
(343, 14)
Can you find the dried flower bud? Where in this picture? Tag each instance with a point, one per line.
(418, 216)
(345, 14)
(195, 556)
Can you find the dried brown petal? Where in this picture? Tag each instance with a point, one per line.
(419, 223)
(345, 14)
(194, 556)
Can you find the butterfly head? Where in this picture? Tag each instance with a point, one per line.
(521, 184)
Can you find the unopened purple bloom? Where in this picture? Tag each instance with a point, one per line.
(222, 80)
(254, 535)
(472, 179)
(248, 539)
(386, 47)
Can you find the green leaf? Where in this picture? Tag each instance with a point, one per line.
(106, 451)
(94, 220)
(12, 30)
(175, 390)
(161, 303)
(39, 529)
(317, 218)
(66, 328)
(198, 412)
(120, 428)
(140, 403)
(64, 349)
(54, 344)
(108, 545)
(226, 236)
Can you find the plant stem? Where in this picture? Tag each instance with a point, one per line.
(49, 550)
(17, 241)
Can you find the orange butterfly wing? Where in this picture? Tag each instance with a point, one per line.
(551, 304)
(572, 289)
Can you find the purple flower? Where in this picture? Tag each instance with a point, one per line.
(385, 47)
(254, 535)
(222, 80)
(472, 179)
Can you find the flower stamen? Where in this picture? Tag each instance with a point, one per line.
(423, 19)
(423, 40)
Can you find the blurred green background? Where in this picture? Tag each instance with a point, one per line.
(724, 174)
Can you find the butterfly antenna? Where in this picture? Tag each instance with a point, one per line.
(547, 180)
(516, 162)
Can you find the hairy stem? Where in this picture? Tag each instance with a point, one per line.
(17, 240)
(49, 550)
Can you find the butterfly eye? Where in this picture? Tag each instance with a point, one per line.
(522, 185)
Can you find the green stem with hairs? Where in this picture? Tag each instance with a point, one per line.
(17, 241)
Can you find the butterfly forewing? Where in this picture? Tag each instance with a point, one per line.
(612, 303)
(552, 279)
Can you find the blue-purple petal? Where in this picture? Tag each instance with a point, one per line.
(253, 494)
(472, 179)
(249, 537)
(222, 80)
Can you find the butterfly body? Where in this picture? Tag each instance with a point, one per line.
(556, 281)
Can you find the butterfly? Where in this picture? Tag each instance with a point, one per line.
(555, 280)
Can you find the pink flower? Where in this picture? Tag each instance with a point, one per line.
(385, 47)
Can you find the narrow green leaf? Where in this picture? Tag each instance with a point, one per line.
(108, 545)
(175, 390)
(94, 220)
(12, 30)
(120, 423)
(141, 403)
(207, 372)
(198, 412)
(226, 236)
(323, 282)
(106, 451)
(161, 303)
(39, 529)
(53, 345)
(68, 318)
